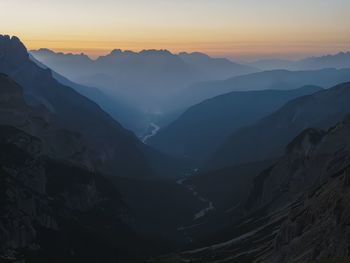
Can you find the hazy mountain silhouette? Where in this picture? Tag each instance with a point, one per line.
(54, 169)
(275, 79)
(143, 79)
(110, 147)
(339, 60)
(215, 68)
(266, 139)
(266, 177)
(274, 63)
(127, 116)
(203, 127)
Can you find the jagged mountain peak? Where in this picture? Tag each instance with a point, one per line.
(70, 112)
(196, 54)
(153, 52)
(12, 50)
(48, 52)
(45, 50)
(159, 52)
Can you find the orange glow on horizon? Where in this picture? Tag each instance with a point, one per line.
(237, 29)
(243, 51)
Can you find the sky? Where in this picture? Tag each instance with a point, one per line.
(239, 29)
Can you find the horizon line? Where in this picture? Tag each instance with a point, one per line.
(105, 52)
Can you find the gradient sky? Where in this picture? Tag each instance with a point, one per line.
(241, 29)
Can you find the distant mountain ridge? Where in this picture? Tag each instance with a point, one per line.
(111, 148)
(338, 61)
(297, 209)
(273, 79)
(266, 139)
(147, 79)
(129, 118)
(203, 127)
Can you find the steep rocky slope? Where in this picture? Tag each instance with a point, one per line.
(297, 210)
(53, 211)
(267, 138)
(110, 147)
(203, 127)
(120, 213)
(130, 118)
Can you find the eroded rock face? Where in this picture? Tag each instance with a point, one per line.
(317, 228)
(298, 210)
(310, 159)
(23, 180)
(52, 209)
(40, 122)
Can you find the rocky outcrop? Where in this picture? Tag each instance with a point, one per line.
(310, 159)
(319, 227)
(53, 210)
(12, 51)
(298, 209)
(40, 122)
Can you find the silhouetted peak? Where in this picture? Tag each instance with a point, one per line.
(12, 50)
(340, 54)
(44, 50)
(161, 52)
(80, 55)
(116, 52)
(49, 52)
(193, 54)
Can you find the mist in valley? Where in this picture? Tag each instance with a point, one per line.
(174, 131)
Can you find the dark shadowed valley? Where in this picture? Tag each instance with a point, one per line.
(174, 131)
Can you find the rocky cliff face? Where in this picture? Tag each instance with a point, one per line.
(40, 122)
(297, 210)
(317, 228)
(310, 159)
(53, 211)
(317, 224)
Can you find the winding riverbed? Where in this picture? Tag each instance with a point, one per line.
(154, 129)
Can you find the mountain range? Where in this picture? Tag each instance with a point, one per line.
(266, 139)
(255, 170)
(339, 60)
(142, 79)
(73, 178)
(130, 118)
(107, 144)
(205, 126)
(296, 210)
(274, 79)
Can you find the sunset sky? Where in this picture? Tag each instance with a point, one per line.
(241, 29)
